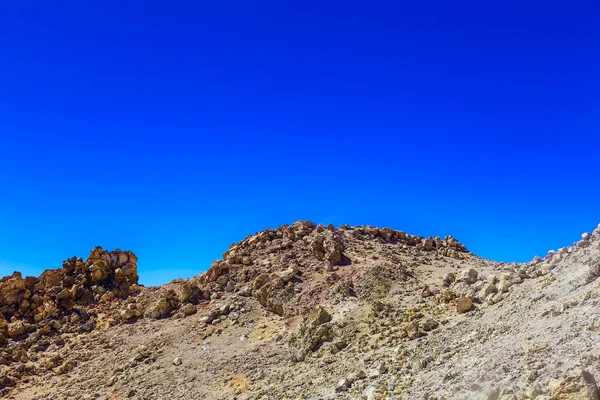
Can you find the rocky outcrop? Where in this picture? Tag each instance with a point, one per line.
(29, 303)
(267, 265)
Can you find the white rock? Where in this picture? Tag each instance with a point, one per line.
(585, 236)
(369, 392)
(343, 385)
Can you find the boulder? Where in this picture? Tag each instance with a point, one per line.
(463, 289)
(7, 381)
(217, 269)
(159, 309)
(428, 244)
(449, 279)
(429, 324)
(426, 292)
(319, 316)
(50, 279)
(127, 314)
(464, 304)
(324, 246)
(260, 281)
(487, 290)
(11, 287)
(222, 280)
(580, 386)
(16, 328)
(184, 291)
(288, 274)
(504, 285)
(468, 276)
(188, 309)
(586, 236)
(99, 271)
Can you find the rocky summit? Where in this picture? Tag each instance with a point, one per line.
(309, 311)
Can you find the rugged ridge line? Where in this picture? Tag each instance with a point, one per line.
(385, 314)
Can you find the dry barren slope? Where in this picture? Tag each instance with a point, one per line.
(307, 312)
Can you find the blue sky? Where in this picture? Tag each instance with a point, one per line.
(174, 129)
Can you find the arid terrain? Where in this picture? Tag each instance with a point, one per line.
(310, 312)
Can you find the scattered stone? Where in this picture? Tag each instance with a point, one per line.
(426, 292)
(342, 385)
(430, 324)
(449, 279)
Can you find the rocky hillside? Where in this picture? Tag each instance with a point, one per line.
(310, 312)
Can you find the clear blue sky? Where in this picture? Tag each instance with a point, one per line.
(176, 128)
